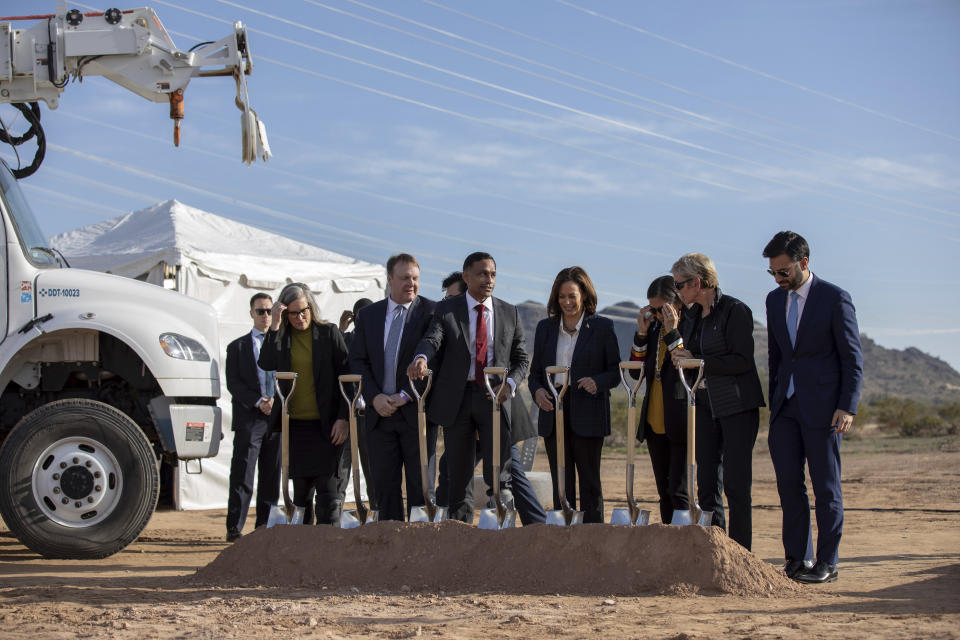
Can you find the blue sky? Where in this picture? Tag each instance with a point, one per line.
(616, 135)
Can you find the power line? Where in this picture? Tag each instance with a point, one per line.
(726, 105)
(764, 74)
(575, 111)
(698, 119)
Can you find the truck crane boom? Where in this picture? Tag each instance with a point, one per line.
(129, 47)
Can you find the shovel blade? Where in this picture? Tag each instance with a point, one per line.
(351, 519)
(489, 520)
(278, 515)
(559, 518)
(420, 514)
(681, 517)
(622, 516)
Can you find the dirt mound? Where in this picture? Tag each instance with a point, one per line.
(456, 558)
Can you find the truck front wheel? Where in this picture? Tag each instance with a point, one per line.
(78, 479)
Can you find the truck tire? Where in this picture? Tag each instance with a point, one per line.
(78, 479)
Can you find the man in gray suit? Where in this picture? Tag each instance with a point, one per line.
(467, 333)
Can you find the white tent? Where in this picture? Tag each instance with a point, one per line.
(221, 262)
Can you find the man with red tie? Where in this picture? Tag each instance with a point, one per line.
(467, 333)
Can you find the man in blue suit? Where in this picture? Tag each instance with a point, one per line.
(816, 370)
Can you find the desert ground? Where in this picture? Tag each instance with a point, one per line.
(899, 577)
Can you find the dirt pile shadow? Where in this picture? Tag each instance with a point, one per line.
(455, 558)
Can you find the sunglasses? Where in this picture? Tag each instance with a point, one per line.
(302, 313)
(261, 312)
(656, 310)
(680, 285)
(783, 273)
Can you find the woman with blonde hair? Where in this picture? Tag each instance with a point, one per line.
(718, 328)
(299, 340)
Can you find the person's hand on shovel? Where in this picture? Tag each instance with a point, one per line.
(417, 369)
(505, 395)
(339, 432)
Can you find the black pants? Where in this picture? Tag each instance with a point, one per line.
(394, 449)
(327, 510)
(725, 463)
(524, 496)
(460, 441)
(581, 458)
(255, 448)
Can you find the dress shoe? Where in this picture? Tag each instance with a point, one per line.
(794, 568)
(820, 573)
(232, 535)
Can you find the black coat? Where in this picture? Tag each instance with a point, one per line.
(329, 362)
(366, 353)
(674, 395)
(243, 382)
(726, 347)
(596, 355)
(445, 344)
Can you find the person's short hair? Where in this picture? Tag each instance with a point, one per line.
(475, 257)
(579, 277)
(360, 304)
(696, 265)
(789, 243)
(260, 296)
(401, 257)
(293, 292)
(452, 279)
(664, 287)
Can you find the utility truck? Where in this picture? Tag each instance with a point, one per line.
(101, 376)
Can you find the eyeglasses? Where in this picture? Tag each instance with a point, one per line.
(302, 313)
(656, 310)
(680, 285)
(261, 312)
(783, 273)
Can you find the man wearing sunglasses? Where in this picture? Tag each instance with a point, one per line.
(816, 370)
(251, 396)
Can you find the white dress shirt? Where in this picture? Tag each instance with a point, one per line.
(566, 343)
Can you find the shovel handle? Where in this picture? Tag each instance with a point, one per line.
(690, 363)
(552, 372)
(288, 506)
(495, 371)
(487, 373)
(422, 397)
(631, 387)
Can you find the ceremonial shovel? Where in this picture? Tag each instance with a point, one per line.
(288, 513)
(693, 515)
(499, 517)
(362, 515)
(632, 515)
(429, 512)
(566, 516)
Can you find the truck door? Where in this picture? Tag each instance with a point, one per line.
(4, 287)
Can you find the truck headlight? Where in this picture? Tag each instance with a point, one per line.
(182, 347)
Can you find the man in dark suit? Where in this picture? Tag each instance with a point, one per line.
(521, 428)
(385, 337)
(467, 333)
(816, 370)
(251, 391)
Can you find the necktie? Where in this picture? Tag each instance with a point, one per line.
(481, 345)
(269, 383)
(793, 315)
(390, 352)
(266, 378)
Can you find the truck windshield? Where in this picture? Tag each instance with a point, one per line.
(31, 238)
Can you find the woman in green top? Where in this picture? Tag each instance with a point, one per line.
(298, 340)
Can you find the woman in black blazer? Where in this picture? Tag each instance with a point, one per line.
(662, 414)
(298, 340)
(574, 335)
(719, 329)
